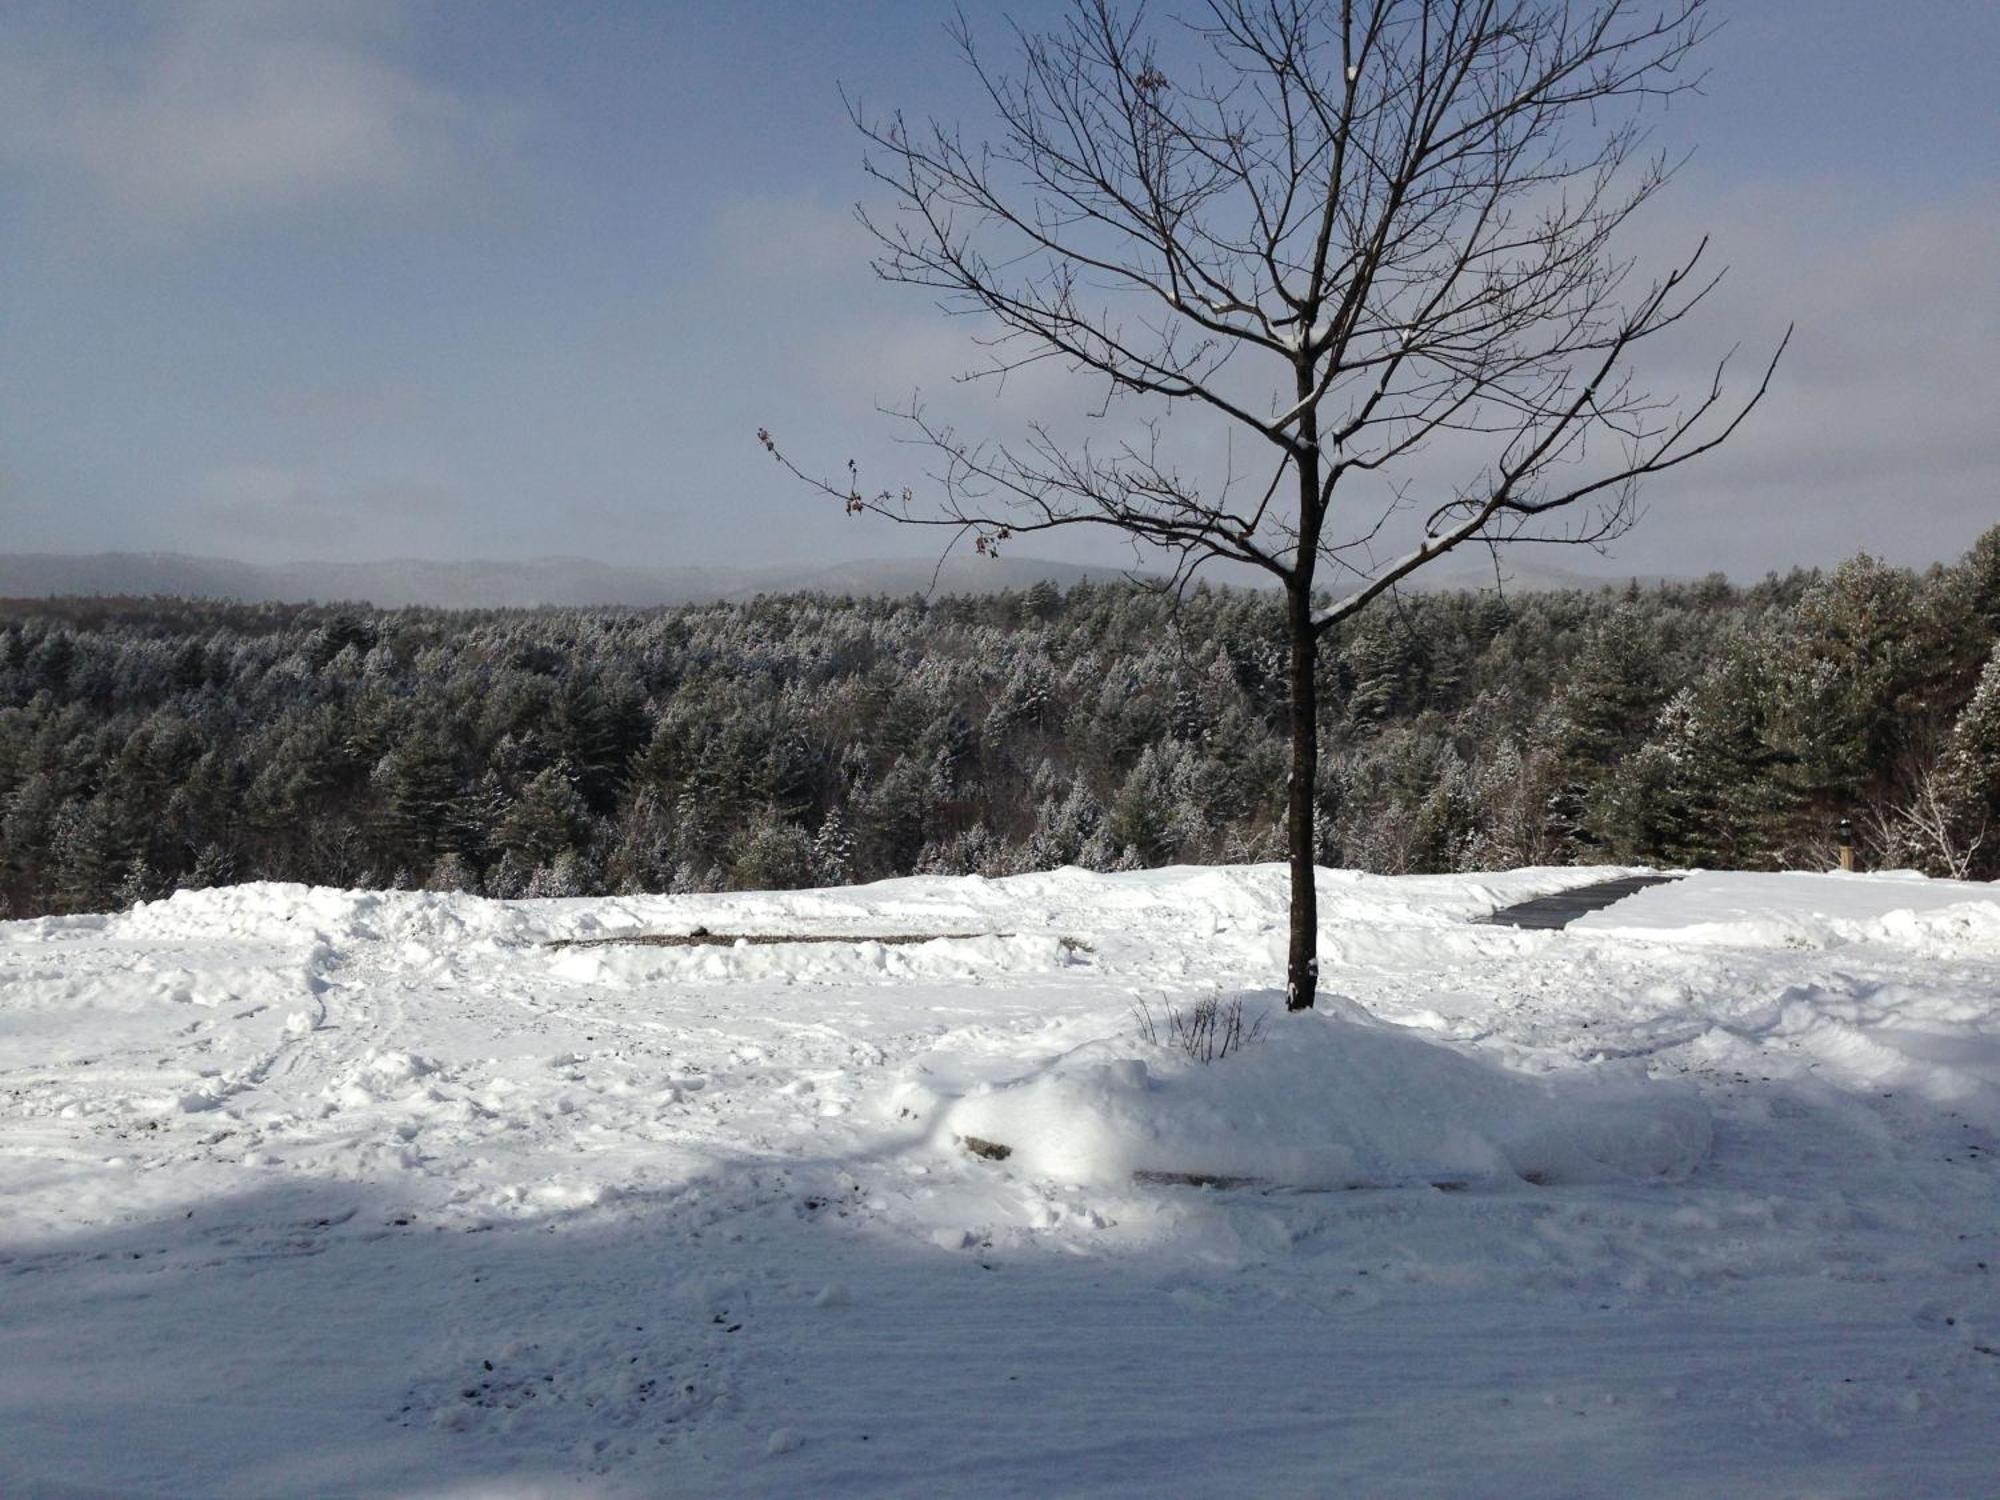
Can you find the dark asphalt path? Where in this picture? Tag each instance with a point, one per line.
(1564, 907)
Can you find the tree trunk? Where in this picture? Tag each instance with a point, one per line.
(1302, 958)
(1302, 963)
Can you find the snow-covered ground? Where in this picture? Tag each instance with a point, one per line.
(310, 1192)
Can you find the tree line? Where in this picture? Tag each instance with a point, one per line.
(152, 745)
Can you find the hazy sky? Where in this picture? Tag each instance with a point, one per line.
(362, 280)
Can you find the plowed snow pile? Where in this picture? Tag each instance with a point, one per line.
(1346, 1101)
(310, 1192)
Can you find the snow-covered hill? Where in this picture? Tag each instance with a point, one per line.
(312, 1192)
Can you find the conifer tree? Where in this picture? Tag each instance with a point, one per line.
(832, 850)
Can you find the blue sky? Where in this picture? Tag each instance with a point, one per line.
(372, 279)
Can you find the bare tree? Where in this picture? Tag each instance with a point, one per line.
(1937, 825)
(1374, 239)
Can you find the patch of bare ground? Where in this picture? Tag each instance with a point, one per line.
(701, 937)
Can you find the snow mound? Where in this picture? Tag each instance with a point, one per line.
(1333, 1099)
(1871, 1038)
(1795, 909)
(273, 911)
(811, 960)
(380, 1075)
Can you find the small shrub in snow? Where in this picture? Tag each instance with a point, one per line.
(1207, 1031)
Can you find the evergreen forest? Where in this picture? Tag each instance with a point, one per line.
(154, 744)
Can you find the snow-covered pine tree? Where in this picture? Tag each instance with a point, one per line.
(832, 850)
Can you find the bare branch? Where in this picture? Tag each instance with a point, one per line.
(1355, 230)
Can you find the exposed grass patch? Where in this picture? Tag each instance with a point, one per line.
(1207, 1031)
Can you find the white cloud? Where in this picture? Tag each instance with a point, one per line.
(1878, 432)
(224, 108)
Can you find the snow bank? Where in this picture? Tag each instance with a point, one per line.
(269, 911)
(1795, 909)
(1872, 1039)
(466, 1214)
(1333, 1099)
(810, 961)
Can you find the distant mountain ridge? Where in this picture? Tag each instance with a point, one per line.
(560, 581)
(574, 582)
